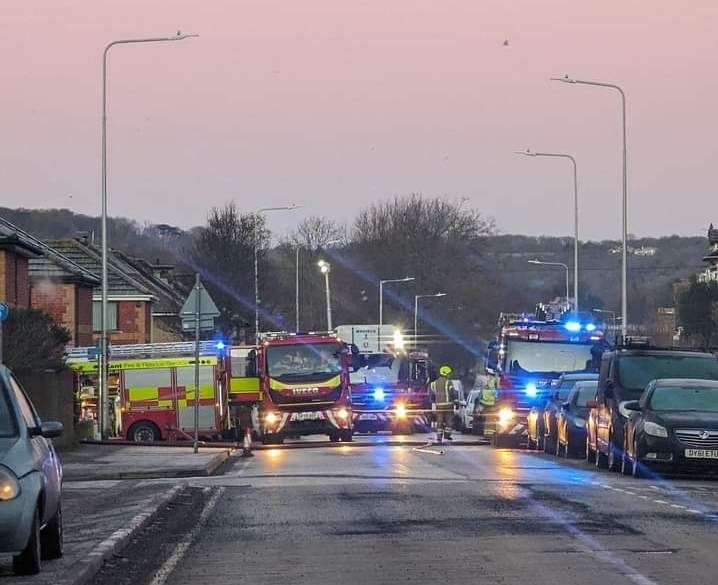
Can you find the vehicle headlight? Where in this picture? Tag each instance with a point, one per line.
(343, 413)
(625, 413)
(506, 415)
(655, 430)
(271, 418)
(9, 486)
(400, 411)
(579, 422)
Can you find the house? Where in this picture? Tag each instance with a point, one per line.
(710, 274)
(142, 308)
(40, 277)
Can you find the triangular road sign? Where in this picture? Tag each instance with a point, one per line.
(206, 305)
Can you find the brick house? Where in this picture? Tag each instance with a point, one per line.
(15, 254)
(141, 307)
(49, 281)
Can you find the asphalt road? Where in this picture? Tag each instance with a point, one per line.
(392, 514)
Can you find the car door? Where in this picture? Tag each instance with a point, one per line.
(604, 412)
(44, 454)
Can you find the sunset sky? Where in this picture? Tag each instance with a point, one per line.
(334, 104)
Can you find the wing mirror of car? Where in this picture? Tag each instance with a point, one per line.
(566, 405)
(592, 404)
(633, 405)
(51, 429)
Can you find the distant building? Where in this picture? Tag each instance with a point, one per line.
(710, 274)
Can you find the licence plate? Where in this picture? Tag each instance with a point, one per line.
(368, 417)
(702, 453)
(307, 416)
(533, 336)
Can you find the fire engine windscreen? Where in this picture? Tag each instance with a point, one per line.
(381, 369)
(532, 357)
(304, 362)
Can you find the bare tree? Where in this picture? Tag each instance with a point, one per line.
(316, 232)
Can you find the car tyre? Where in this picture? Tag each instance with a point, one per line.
(51, 537)
(334, 437)
(601, 459)
(29, 561)
(626, 464)
(549, 445)
(144, 432)
(638, 471)
(346, 436)
(590, 453)
(614, 456)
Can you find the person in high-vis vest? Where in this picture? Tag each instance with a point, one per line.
(443, 403)
(487, 400)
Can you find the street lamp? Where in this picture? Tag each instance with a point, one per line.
(624, 279)
(325, 268)
(416, 312)
(103, 393)
(575, 215)
(561, 264)
(296, 280)
(257, 213)
(381, 295)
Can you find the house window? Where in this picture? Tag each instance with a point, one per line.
(97, 316)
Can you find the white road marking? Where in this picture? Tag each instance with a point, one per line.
(181, 549)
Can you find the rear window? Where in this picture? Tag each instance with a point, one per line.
(7, 418)
(586, 393)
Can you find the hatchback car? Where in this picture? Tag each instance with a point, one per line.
(30, 481)
(673, 427)
(571, 420)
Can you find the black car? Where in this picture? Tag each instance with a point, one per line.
(542, 430)
(625, 373)
(673, 427)
(571, 420)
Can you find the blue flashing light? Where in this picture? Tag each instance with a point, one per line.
(220, 345)
(531, 390)
(379, 394)
(573, 326)
(590, 327)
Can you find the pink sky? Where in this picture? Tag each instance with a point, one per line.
(334, 104)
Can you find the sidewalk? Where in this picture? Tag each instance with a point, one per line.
(107, 462)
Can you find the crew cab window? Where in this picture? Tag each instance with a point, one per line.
(7, 419)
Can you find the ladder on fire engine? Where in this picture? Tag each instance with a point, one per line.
(144, 350)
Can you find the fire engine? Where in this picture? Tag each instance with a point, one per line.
(294, 385)
(152, 389)
(528, 355)
(390, 386)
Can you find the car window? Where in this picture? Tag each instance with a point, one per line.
(635, 372)
(685, 398)
(7, 418)
(585, 393)
(26, 410)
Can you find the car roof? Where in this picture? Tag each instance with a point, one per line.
(660, 351)
(581, 377)
(684, 382)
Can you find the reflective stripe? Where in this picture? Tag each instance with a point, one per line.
(240, 385)
(332, 383)
(206, 391)
(165, 403)
(143, 393)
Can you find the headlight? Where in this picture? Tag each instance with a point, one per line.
(343, 413)
(579, 422)
(506, 415)
(400, 411)
(271, 418)
(9, 487)
(624, 411)
(655, 430)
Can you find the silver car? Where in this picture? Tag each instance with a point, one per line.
(30, 481)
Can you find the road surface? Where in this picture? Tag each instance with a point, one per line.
(389, 514)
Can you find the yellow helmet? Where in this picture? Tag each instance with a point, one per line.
(445, 370)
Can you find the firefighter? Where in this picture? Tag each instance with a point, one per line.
(443, 404)
(487, 400)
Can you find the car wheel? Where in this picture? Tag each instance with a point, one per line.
(601, 459)
(29, 561)
(558, 448)
(334, 437)
(638, 471)
(51, 540)
(144, 433)
(626, 465)
(549, 445)
(590, 453)
(346, 436)
(614, 455)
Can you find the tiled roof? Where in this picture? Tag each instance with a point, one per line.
(47, 261)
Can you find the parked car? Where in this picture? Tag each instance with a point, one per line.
(30, 481)
(673, 427)
(571, 420)
(468, 409)
(542, 431)
(625, 373)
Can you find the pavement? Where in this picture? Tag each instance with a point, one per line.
(398, 514)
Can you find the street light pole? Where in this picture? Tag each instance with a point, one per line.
(103, 391)
(561, 264)
(256, 262)
(575, 215)
(381, 295)
(416, 312)
(296, 289)
(325, 268)
(624, 267)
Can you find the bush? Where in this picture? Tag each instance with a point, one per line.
(33, 341)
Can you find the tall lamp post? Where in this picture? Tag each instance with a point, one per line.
(417, 298)
(561, 264)
(256, 262)
(103, 391)
(325, 268)
(575, 214)
(624, 279)
(296, 281)
(381, 295)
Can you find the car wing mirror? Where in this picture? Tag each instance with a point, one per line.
(51, 429)
(633, 405)
(566, 405)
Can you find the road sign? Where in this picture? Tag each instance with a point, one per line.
(208, 310)
(4, 312)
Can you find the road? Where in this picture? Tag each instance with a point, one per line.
(391, 514)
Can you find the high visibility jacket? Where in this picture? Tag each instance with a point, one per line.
(443, 390)
(488, 392)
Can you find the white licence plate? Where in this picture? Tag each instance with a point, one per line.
(307, 416)
(368, 417)
(702, 453)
